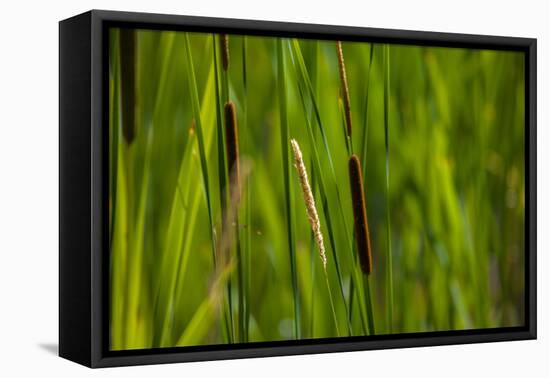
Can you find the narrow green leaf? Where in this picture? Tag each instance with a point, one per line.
(389, 271)
(289, 198)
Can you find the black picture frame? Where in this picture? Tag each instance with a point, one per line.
(83, 188)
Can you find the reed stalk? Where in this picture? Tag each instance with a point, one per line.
(362, 237)
(248, 215)
(223, 181)
(233, 165)
(344, 91)
(289, 197)
(364, 147)
(224, 52)
(313, 218)
(389, 270)
(194, 94)
(224, 48)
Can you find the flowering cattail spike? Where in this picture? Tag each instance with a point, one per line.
(224, 46)
(360, 214)
(128, 41)
(232, 144)
(309, 200)
(345, 88)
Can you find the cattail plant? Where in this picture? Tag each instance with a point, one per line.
(232, 146)
(128, 42)
(362, 237)
(313, 218)
(224, 46)
(230, 216)
(360, 214)
(310, 201)
(344, 88)
(233, 164)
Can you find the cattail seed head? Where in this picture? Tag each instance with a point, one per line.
(360, 215)
(310, 201)
(224, 46)
(128, 41)
(345, 88)
(232, 144)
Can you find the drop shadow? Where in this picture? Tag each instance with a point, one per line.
(51, 348)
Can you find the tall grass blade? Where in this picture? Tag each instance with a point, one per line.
(182, 220)
(362, 236)
(389, 272)
(248, 203)
(289, 198)
(205, 315)
(138, 306)
(194, 94)
(364, 146)
(223, 179)
(233, 166)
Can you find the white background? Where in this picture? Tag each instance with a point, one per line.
(29, 187)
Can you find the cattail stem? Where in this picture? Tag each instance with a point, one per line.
(362, 237)
(345, 88)
(224, 52)
(223, 180)
(224, 47)
(370, 312)
(232, 149)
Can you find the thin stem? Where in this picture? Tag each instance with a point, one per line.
(248, 228)
(366, 114)
(194, 94)
(240, 281)
(289, 198)
(332, 304)
(368, 295)
(223, 177)
(389, 273)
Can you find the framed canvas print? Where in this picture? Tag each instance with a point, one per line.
(233, 188)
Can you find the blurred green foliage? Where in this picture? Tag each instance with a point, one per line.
(455, 174)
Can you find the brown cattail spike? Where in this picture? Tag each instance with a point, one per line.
(224, 46)
(232, 144)
(345, 88)
(128, 83)
(360, 214)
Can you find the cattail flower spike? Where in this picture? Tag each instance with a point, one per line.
(309, 200)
